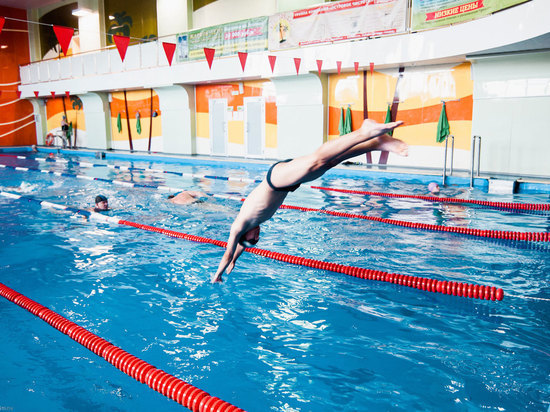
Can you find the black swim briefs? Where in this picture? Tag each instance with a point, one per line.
(280, 189)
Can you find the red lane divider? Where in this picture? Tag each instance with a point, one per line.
(500, 205)
(466, 290)
(496, 234)
(174, 388)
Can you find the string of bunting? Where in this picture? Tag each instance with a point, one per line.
(64, 36)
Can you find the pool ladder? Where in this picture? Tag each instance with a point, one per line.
(445, 159)
(474, 138)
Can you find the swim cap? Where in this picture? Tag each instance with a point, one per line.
(433, 187)
(100, 198)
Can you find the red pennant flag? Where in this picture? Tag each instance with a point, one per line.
(18, 94)
(356, 65)
(297, 61)
(272, 62)
(209, 53)
(36, 93)
(53, 94)
(68, 94)
(169, 49)
(121, 43)
(339, 66)
(242, 58)
(64, 36)
(371, 68)
(2, 21)
(319, 65)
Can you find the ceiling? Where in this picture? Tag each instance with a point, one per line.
(27, 4)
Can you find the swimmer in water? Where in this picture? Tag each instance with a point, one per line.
(433, 188)
(101, 204)
(187, 197)
(286, 176)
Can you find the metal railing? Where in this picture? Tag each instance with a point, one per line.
(445, 159)
(474, 138)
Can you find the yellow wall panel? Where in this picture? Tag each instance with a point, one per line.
(203, 125)
(235, 131)
(271, 136)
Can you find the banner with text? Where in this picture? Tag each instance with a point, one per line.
(231, 38)
(427, 14)
(342, 20)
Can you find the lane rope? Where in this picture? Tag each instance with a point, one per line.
(168, 385)
(434, 199)
(460, 289)
(494, 234)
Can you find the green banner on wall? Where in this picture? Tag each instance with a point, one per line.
(231, 38)
(427, 14)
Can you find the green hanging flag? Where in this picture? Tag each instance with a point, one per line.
(119, 123)
(341, 123)
(443, 128)
(347, 121)
(138, 123)
(388, 118)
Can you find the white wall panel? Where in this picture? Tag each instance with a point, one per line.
(53, 69)
(77, 66)
(149, 55)
(132, 60)
(103, 63)
(43, 72)
(25, 74)
(89, 64)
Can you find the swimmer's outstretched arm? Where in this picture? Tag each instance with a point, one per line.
(232, 253)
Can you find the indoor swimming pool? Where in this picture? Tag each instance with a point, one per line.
(274, 336)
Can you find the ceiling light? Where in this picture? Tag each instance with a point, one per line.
(81, 12)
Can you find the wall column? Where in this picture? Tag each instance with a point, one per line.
(39, 110)
(98, 120)
(177, 113)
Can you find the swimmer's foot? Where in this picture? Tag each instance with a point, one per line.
(393, 145)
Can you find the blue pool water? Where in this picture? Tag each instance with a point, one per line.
(274, 336)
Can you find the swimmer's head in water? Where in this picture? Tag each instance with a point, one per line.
(433, 188)
(101, 202)
(250, 238)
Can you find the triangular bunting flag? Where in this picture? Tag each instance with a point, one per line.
(319, 65)
(272, 62)
(356, 65)
(2, 21)
(209, 53)
(68, 94)
(36, 93)
(18, 94)
(297, 61)
(53, 94)
(121, 43)
(169, 49)
(242, 58)
(64, 36)
(339, 66)
(371, 68)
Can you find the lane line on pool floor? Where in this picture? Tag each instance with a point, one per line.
(494, 234)
(433, 199)
(168, 385)
(460, 289)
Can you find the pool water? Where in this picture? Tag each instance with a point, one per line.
(274, 336)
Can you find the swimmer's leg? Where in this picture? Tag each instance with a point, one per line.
(310, 167)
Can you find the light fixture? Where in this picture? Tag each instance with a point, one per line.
(111, 17)
(4, 46)
(81, 12)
